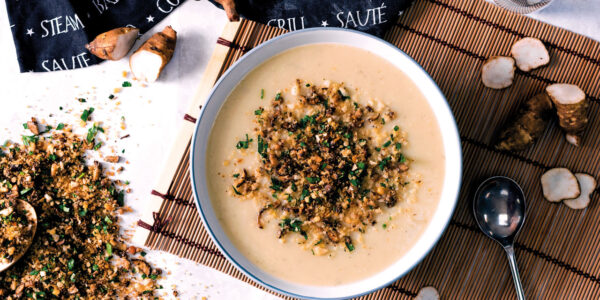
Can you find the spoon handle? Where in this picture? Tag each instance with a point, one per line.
(512, 260)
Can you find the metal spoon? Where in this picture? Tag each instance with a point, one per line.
(499, 208)
(32, 217)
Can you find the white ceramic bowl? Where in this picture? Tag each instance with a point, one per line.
(396, 57)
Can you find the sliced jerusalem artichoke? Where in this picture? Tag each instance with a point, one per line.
(428, 293)
(148, 61)
(113, 44)
(529, 53)
(571, 106)
(587, 184)
(528, 125)
(498, 72)
(559, 184)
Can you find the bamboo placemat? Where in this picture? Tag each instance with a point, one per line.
(558, 248)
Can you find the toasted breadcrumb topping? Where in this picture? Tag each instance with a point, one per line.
(77, 252)
(328, 168)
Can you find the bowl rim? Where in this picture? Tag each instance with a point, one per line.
(453, 130)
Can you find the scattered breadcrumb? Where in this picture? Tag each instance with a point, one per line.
(78, 251)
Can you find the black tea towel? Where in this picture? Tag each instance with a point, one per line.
(372, 16)
(50, 35)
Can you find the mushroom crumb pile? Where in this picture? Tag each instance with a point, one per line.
(77, 252)
(328, 166)
(16, 229)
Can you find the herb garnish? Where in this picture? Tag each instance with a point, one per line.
(244, 144)
(29, 139)
(262, 147)
(92, 132)
(86, 114)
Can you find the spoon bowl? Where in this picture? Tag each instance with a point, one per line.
(499, 209)
(32, 217)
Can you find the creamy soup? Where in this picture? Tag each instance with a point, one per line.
(372, 80)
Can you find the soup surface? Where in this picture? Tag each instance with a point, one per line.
(372, 81)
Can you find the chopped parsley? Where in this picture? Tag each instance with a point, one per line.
(262, 147)
(313, 179)
(244, 144)
(384, 162)
(126, 84)
(86, 114)
(349, 245)
(92, 132)
(402, 158)
(60, 126)
(71, 264)
(29, 139)
(109, 249)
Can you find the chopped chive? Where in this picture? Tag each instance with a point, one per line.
(262, 93)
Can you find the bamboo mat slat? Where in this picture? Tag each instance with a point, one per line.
(557, 249)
